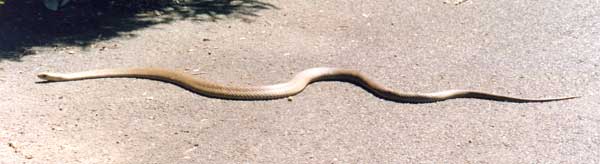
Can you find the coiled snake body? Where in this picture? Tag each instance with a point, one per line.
(281, 90)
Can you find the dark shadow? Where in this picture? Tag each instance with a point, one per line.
(27, 23)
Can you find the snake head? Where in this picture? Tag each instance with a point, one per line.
(50, 77)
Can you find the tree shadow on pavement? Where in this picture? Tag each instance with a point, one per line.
(27, 23)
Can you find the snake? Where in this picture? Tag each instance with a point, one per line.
(282, 90)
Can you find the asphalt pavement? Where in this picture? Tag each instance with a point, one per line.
(530, 49)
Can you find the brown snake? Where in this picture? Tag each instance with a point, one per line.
(281, 90)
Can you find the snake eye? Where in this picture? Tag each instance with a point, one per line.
(43, 76)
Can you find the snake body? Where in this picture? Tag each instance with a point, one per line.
(280, 90)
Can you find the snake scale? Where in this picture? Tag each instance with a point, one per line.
(281, 90)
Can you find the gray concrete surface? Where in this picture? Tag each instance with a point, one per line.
(529, 49)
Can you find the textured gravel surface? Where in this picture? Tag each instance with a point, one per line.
(531, 49)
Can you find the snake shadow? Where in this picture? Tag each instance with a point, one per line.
(25, 24)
